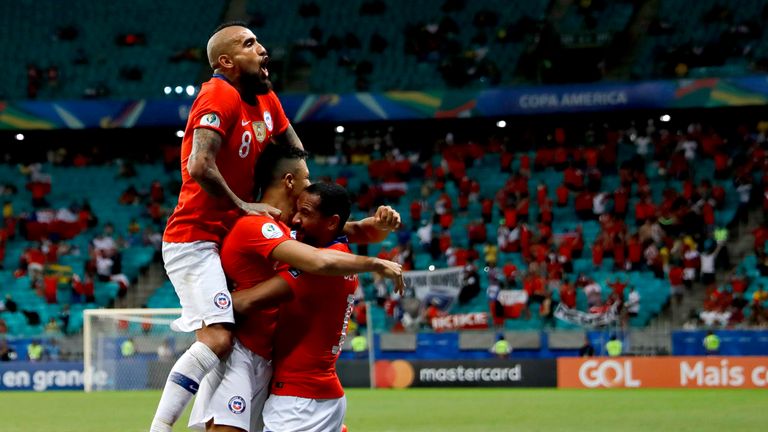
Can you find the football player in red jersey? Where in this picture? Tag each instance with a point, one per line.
(251, 254)
(234, 117)
(306, 394)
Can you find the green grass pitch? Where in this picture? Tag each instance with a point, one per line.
(426, 410)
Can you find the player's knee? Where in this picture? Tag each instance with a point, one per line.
(218, 338)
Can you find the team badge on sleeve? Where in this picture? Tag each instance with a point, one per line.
(210, 119)
(236, 405)
(222, 300)
(271, 231)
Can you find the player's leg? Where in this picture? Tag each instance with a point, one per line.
(224, 400)
(288, 414)
(196, 273)
(284, 413)
(262, 375)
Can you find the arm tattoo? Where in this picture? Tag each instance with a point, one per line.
(202, 162)
(205, 143)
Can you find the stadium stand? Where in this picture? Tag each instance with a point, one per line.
(449, 196)
(145, 49)
(91, 49)
(555, 213)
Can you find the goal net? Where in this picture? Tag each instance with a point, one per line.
(130, 349)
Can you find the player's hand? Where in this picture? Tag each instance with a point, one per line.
(394, 271)
(259, 209)
(386, 219)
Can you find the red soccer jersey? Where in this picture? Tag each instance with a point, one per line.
(245, 130)
(245, 257)
(310, 333)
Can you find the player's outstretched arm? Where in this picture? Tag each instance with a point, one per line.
(327, 262)
(373, 229)
(289, 137)
(202, 167)
(269, 293)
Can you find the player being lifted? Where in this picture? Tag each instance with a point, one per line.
(231, 398)
(234, 117)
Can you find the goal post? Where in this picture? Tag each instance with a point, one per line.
(130, 349)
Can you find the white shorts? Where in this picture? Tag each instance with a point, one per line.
(196, 274)
(289, 413)
(233, 394)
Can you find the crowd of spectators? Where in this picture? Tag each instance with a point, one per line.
(62, 268)
(658, 215)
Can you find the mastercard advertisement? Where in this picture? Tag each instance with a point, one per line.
(470, 373)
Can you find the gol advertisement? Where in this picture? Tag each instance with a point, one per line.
(663, 372)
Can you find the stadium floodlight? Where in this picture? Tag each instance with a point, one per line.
(19, 137)
(167, 90)
(501, 124)
(665, 118)
(190, 90)
(179, 89)
(339, 129)
(180, 133)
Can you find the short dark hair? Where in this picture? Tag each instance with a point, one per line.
(270, 167)
(222, 26)
(334, 200)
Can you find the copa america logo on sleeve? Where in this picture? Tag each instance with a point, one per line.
(271, 231)
(210, 119)
(236, 405)
(268, 120)
(222, 300)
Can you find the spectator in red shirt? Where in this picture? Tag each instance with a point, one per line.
(463, 201)
(156, 192)
(545, 213)
(541, 194)
(739, 283)
(510, 217)
(635, 252)
(721, 165)
(573, 178)
(415, 212)
(486, 210)
(618, 286)
(676, 283)
(583, 205)
(445, 241)
(568, 294)
(761, 236)
(523, 206)
(476, 233)
(597, 255)
(525, 165)
(506, 161)
(620, 202)
(446, 220)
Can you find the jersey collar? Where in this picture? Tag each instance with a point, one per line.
(222, 77)
(340, 239)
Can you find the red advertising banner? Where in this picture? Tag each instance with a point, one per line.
(478, 320)
(663, 372)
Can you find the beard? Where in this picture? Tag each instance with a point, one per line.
(255, 84)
